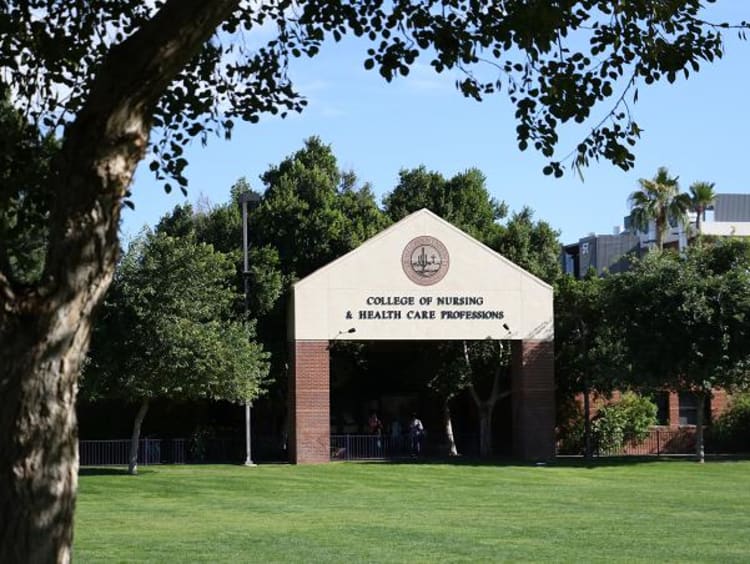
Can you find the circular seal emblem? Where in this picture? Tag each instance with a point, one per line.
(425, 260)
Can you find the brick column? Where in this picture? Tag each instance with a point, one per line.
(309, 403)
(533, 385)
(674, 409)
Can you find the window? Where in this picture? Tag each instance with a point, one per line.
(688, 408)
(661, 400)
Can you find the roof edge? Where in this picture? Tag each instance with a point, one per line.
(409, 218)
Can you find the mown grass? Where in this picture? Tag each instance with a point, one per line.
(345, 512)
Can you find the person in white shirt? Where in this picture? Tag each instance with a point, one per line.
(416, 432)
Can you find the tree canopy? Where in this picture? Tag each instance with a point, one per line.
(686, 319)
(26, 194)
(702, 196)
(588, 353)
(555, 61)
(686, 316)
(659, 200)
(168, 330)
(463, 200)
(312, 212)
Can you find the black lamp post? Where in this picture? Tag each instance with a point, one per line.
(247, 199)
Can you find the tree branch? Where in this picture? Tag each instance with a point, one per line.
(495, 385)
(7, 296)
(472, 390)
(495, 393)
(109, 137)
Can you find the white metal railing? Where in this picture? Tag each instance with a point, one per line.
(117, 452)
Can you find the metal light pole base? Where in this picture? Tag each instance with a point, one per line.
(248, 444)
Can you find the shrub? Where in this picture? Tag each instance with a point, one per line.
(731, 431)
(198, 445)
(625, 422)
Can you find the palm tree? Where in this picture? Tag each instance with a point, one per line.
(702, 195)
(659, 200)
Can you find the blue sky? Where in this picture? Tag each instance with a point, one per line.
(698, 128)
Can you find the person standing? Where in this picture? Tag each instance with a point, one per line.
(375, 425)
(376, 429)
(416, 433)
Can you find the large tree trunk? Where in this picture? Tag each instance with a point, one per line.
(485, 407)
(700, 453)
(38, 436)
(136, 437)
(448, 425)
(485, 429)
(485, 410)
(661, 229)
(44, 331)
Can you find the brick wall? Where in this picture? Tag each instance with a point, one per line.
(533, 400)
(309, 402)
(719, 403)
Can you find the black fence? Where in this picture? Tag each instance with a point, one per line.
(180, 451)
(385, 447)
(264, 449)
(659, 442)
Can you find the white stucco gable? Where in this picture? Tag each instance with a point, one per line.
(421, 279)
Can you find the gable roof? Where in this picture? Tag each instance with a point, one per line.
(421, 278)
(399, 225)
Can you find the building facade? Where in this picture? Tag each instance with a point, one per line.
(729, 216)
(422, 279)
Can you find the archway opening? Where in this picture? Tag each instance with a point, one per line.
(395, 380)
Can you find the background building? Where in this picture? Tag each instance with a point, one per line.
(603, 253)
(728, 216)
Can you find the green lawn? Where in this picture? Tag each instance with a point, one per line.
(348, 512)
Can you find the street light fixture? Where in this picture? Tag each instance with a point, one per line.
(247, 199)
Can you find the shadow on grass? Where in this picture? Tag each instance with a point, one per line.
(577, 461)
(559, 462)
(110, 471)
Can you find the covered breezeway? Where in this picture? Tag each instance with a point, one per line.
(421, 279)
